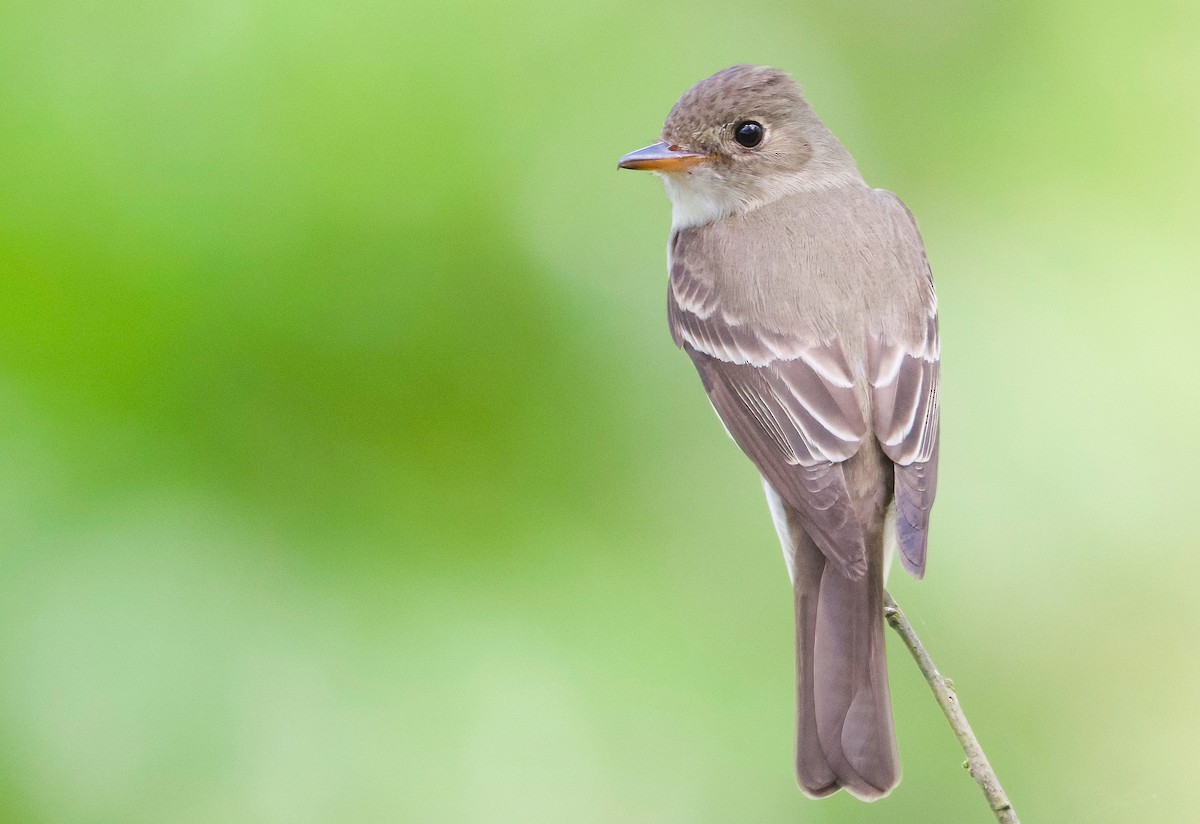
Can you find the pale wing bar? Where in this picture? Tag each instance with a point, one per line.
(904, 385)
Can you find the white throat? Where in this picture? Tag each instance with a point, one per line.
(696, 201)
(698, 198)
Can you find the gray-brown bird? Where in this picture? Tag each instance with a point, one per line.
(804, 298)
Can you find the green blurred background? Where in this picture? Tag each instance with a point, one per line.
(348, 473)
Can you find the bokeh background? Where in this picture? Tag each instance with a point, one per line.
(348, 473)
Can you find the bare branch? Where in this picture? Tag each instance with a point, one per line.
(943, 691)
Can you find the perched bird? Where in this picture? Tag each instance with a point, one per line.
(804, 298)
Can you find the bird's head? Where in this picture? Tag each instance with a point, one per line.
(737, 140)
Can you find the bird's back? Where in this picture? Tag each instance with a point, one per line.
(819, 264)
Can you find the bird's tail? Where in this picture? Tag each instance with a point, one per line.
(844, 733)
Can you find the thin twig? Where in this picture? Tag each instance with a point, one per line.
(943, 691)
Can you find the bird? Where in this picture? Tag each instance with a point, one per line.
(805, 301)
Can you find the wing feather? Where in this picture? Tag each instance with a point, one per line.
(788, 403)
(905, 380)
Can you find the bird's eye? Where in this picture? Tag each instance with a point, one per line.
(749, 133)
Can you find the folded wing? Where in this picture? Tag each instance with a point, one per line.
(789, 403)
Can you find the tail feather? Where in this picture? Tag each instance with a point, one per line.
(844, 732)
(814, 773)
(850, 688)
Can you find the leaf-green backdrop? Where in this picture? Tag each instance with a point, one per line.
(348, 473)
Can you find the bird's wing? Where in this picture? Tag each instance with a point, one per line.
(788, 402)
(904, 371)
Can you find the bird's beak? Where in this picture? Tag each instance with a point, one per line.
(660, 157)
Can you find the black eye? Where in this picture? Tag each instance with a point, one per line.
(749, 133)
